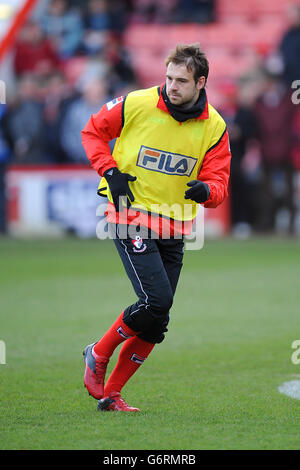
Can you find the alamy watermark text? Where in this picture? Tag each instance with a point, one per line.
(296, 93)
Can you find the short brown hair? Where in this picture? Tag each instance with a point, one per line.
(193, 57)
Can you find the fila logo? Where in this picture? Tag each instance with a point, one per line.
(137, 359)
(165, 162)
(122, 333)
(111, 104)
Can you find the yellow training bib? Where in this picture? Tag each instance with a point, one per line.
(163, 154)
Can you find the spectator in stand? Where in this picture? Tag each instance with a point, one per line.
(244, 176)
(143, 11)
(154, 11)
(58, 97)
(290, 46)
(97, 25)
(122, 71)
(34, 53)
(4, 159)
(119, 11)
(274, 113)
(96, 17)
(95, 67)
(64, 27)
(195, 11)
(25, 123)
(296, 140)
(94, 96)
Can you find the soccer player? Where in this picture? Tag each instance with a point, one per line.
(172, 153)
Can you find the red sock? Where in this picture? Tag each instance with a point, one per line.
(132, 355)
(116, 334)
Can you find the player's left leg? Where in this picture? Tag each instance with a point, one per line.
(171, 252)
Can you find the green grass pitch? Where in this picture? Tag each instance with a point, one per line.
(212, 384)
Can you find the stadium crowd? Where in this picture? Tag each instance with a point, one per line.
(70, 58)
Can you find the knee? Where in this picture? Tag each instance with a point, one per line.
(161, 305)
(156, 334)
(143, 317)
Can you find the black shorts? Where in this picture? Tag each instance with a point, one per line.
(153, 267)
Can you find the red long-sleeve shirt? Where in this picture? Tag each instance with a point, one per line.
(107, 124)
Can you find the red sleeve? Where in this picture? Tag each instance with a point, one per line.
(215, 171)
(99, 130)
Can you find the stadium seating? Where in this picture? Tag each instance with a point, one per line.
(228, 9)
(242, 31)
(229, 46)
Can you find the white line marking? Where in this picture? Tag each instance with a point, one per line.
(291, 389)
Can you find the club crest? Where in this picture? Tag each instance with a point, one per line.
(138, 244)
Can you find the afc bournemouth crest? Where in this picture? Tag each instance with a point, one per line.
(138, 244)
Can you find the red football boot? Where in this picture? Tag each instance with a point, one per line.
(114, 402)
(95, 369)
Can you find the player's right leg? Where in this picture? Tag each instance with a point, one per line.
(95, 369)
(97, 355)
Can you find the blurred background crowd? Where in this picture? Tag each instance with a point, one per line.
(72, 56)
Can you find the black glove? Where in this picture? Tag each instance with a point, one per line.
(199, 191)
(119, 187)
